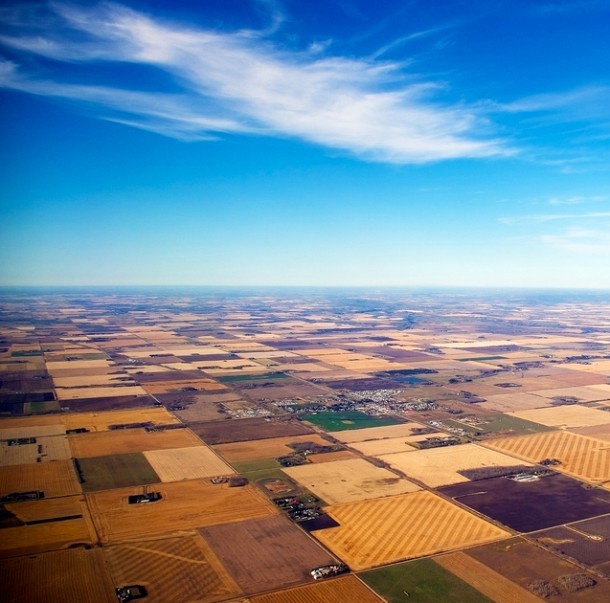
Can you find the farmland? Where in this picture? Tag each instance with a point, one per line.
(386, 530)
(216, 449)
(266, 554)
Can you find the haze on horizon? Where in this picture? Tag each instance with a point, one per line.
(267, 142)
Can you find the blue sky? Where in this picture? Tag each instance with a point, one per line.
(279, 142)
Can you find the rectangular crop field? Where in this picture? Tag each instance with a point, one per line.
(347, 588)
(580, 456)
(266, 554)
(263, 449)
(349, 419)
(123, 441)
(424, 581)
(171, 569)
(386, 530)
(240, 430)
(115, 471)
(570, 415)
(79, 576)
(44, 449)
(101, 421)
(186, 463)
(184, 506)
(352, 480)
(440, 466)
(377, 433)
(56, 478)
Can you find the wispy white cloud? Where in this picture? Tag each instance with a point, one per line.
(241, 82)
(580, 240)
(539, 218)
(577, 200)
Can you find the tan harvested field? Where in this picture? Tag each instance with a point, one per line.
(8, 433)
(186, 463)
(138, 369)
(386, 530)
(34, 423)
(181, 508)
(162, 387)
(56, 478)
(92, 380)
(581, 456)
(100, 421)
(439, 466)
(266, 554)
(384, 446)
(591, 393)
(81, 577)
(327, 457)
(48, 536)
(375, 433)
(347, 588)
(80, 393)
(595, 366)
(348, 481)
(570, 415)
(122, 441)
(53, 448)
(514, 402)
(57, 368)
(264, 449)
(484, 579)
(172, 570)
(49, 508)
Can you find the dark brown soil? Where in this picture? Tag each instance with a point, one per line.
(528, 506)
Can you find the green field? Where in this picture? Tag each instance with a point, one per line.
(351, 419)
(247, 467)
(500, 424)
(264, 377)
(423, 581)
(115, 471)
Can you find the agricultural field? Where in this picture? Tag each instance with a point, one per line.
(441, 466)
(56, 478)
(114, 471)
(484, 579)
(263, 449)
(338, 421)
(424, 581)
(123, 441)
(349, 481)
(265, 554)
(385, 530)
(567, 416)
(346, 588)
(526, 506)
(580, 456)
(103, 420)
(402, 430)
(80, 576)
(171, 569)
(185, 505)
(585, 541)
(43, 449)
(186, 463)
(241, 430)
(539, 571)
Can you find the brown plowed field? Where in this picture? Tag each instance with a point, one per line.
(172, 570)
(580, 456)
(347, 588)
(56, 478)
(185, 505)
(124, 441)
(329, 457)
(391, 529)
(163, 387)
(349, 481)
(266, 554)
(186, 463)
(79, 576)
(264, 449)
(484, 579)
(241, 430)
(523, 562)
